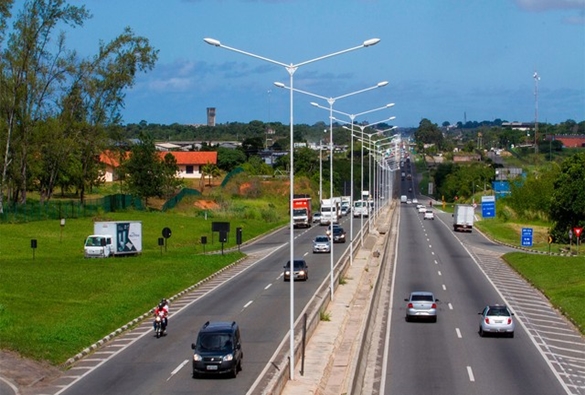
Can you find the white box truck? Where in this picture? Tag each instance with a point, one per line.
(463, 217)
(330, 211)
(360, 208)
(113, 238)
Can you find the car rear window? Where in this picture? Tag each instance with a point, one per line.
(418, 298)
(498, 311)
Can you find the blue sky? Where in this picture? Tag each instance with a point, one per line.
(445, 60)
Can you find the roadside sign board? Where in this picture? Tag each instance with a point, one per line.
(526, 237)
(488, 206)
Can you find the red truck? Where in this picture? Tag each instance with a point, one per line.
(302, 214)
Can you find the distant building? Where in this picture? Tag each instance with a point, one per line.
(569, 140)
(189, 163)
(210, 116)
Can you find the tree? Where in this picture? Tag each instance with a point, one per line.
(228, 159)
(144, 172)
(30, 79)
(567, 208)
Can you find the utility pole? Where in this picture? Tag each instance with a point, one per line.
(536, 79)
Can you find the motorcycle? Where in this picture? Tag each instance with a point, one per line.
(159, 326)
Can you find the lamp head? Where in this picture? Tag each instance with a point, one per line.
(279, 85)
(371, 41)
(381, 84)
(212, 41)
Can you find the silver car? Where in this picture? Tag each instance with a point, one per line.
(421, 304)
(496, 319)
(321, 244)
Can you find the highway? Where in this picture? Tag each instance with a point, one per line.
(252, 293)
(449, 357)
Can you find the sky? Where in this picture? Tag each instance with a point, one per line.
(444, 60)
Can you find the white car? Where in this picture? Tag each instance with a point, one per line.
(429, 215)
(415, 200)
(422, 209)
(496, 319)
(408, 201)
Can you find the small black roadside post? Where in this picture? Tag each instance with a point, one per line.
(203, 242)
(238, 237)
(161, 243)
(222, 239)
(33, 245)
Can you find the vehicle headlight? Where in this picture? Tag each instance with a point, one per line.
(228, 357)
(287, 273)
(302, 272)
(197, 358)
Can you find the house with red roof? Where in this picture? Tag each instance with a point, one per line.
(189, 163)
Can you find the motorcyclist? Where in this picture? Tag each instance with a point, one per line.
(160, 311)
(166, 308)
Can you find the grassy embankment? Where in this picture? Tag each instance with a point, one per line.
(54, 303)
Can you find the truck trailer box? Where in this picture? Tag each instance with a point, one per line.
(463, 216)
(302, 212)
(114, 238)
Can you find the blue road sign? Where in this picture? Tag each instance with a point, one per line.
(488, 206)
(526, 237)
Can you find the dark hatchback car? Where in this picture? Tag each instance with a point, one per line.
(338, 235)
(218, 349)
(300, 270)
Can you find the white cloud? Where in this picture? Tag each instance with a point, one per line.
(547, 5)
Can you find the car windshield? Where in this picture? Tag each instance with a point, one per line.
(299, 211)
(298, 265)
(322, 239)
(421, 298)
(214, 342)
(337, 231)
(498, 311)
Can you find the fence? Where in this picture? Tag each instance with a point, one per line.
(172, 202)
(35, 211)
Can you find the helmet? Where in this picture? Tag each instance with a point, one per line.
(161, 305)
(163, 301)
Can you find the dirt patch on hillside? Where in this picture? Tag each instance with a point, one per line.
(206, 205)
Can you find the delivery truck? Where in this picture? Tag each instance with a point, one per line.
(302, 214)
(114, 238)
(463, 217)
(330, 211)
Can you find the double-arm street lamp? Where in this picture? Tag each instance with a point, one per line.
(331, 101)
(291, 68)
(362, 133)
(352, 118)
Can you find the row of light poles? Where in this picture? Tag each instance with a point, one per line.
(291, 68)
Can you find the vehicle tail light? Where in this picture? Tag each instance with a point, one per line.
(487, 320)
(410, 306)
(509, 321)
(434, 306)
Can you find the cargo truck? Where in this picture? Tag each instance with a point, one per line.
(114, 238)
(463, 217)
(330, 211)
(302, 214)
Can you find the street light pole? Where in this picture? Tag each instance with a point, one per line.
(291, 69)
(331, 101)
(352, 117)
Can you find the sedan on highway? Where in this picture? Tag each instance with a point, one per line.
(300, 270)
(421, 304)
(321, 244)
(496, 319)
(338, 235)
(429, 215)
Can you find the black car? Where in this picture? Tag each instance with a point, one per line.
(218, 349)
(300, 270)
(338, 235)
